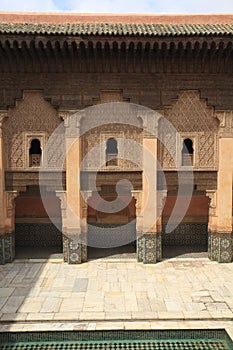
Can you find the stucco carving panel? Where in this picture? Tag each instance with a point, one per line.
(190, 114)
(97, 136)
(31, 114)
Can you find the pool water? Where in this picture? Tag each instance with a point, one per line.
(117, 340)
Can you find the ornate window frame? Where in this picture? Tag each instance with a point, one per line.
(28, 137)
(104, 137)
(179, 145)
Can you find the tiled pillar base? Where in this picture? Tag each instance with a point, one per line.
(220, 246)
(74, 249)
(7, 248)
(149, 247)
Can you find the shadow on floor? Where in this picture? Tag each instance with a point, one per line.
(184, 251)
(38, 253)
(126, 251)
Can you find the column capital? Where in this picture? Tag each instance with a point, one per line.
(225, 123)
(72, 120)
(10, 202)
(211, 194)
(61, 195)
(150, 121)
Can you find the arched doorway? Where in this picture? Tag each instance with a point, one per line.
(35, 235)
(111, 234)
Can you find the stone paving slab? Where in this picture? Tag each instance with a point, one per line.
(119, 292)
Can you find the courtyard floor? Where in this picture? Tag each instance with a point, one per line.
(116, 294)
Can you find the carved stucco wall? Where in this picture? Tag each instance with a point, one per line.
(31, 117)
(129, 158)
(193, 119)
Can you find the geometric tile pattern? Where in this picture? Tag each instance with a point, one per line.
(221, 246)
(159, 246)
(201, 344)
(74, 250)
(186, 234)
(140, 243)
(7, 248)
(149, 247)
(65, 248)
(84, 251)
(127, 339)
(37, 235)
(2, 251)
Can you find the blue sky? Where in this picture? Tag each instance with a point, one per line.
(120, 6)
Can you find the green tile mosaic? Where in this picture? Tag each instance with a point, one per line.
(135, 340)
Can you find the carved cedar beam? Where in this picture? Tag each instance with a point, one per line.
(10, 56)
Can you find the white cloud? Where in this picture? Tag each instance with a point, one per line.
(196, 6)
(28, 6)
(151, 6)
(120, 6)
(112, 6)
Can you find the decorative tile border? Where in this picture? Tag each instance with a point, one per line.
(149, 247)
(221, 246)
(74, 250)
(7, 248)
(119, 335)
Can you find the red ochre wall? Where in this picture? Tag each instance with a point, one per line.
(197, 211)
(33, 207)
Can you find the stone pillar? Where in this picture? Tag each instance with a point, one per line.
(221, 231)
(161, 195)
(62, 196)
(212, 223)
(7, 206)
(149, 240)
(84, 224)
(137, 195)
(71, 222)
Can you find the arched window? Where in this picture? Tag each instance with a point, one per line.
(35, 153)
(111, 152)
(187, 152)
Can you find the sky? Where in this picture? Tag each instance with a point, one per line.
(119, 6)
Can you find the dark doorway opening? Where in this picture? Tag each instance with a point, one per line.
(36, 236)
(111, 234)
(190, 237)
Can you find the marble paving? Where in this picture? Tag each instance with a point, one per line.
(116, 294)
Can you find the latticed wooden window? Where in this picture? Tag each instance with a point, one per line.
(35, 153)
(111, 152)
(187, 152)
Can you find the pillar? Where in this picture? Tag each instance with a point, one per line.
(149, 239)
(7, 205)
(74, 240)
(220, 233)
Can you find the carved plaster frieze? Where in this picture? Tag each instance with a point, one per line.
(226, 123)
(3, 115)
(212, 205)
(62, 196)
(72, 120)
(10, 203)
(150, 121)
